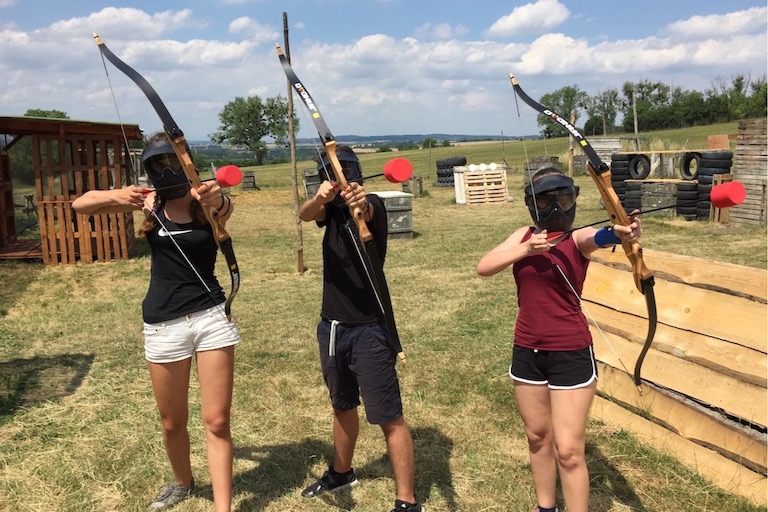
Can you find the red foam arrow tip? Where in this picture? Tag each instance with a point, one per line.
(727, 194)
(554, 235)
(398, 170)
(229, 175)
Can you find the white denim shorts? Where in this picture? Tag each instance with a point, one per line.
(180, 338)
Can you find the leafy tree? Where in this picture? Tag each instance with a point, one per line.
(446, 143)
(564, 100)
(246, 121)
(603, 108)
(39, 112)
(428, 143)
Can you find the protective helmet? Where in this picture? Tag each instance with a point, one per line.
(164, 170)
(350, 165)
(551, 200)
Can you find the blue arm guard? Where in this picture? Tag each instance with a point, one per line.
(606, 237)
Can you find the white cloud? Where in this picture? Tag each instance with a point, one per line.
(251, 27)
(126, 22)
(375, 84)
(717, 26)
(538, 17)
(440, 31)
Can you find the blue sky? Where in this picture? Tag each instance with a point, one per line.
(374, 67)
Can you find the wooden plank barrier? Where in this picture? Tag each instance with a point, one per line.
(703, 398)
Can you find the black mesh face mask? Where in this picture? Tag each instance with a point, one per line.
(164, 170)
(350, 166)
(551, 201)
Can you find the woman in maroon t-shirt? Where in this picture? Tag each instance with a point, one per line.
(553, 365)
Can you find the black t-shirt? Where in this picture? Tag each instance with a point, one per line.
(347, 293)
(174, 287)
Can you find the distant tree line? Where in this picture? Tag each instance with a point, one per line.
(659, 106)
(245, 122)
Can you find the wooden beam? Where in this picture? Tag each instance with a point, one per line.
(724, 473)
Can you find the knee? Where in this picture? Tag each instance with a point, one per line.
(538, 439)
(390, 427)
(217, 425)
(570, 457)
(173, 428)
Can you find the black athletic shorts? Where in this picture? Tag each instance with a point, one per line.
(357, 360)
(561, 369)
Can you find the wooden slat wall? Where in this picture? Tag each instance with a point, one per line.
(70, 165)
(704, 377)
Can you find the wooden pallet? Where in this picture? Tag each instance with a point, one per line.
(485, 186)
(719, 215)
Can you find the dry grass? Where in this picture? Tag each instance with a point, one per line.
(79, 430)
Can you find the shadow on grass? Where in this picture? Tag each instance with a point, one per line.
(24, 382)
(282, 469)
(608, 485)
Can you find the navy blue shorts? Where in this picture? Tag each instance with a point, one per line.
(358, 361)
(560, 369)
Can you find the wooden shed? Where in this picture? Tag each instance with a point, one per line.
(69, 158)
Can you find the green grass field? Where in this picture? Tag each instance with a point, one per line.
(78, 425)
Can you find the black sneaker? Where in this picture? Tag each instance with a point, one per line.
(171, 495)
(404, 506)
(331, 481)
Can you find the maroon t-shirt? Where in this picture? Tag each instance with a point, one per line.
(550, 316)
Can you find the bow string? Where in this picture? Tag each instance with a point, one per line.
(179, 143)
(367, 251)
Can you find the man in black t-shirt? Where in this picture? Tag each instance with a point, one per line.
(356, 355)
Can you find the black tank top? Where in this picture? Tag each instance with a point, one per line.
(174, 288)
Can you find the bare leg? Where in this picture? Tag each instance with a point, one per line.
(346, 426)
(400, 448)
(533, 402)
(170, 382)
(215, 370)
(570, 410)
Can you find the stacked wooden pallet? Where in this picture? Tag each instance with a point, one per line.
(489, 186)
(749, 164)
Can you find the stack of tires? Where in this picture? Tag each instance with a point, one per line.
(711, 163)
(445, 170)
(687, 197)
(620, 175)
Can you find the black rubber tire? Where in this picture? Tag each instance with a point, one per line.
(725, 154)
(685, 165)
(640, 167)
(687, 195)
(620, 157)
(716, 164)
(704, 179)
(711, 171)
(687, 210)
